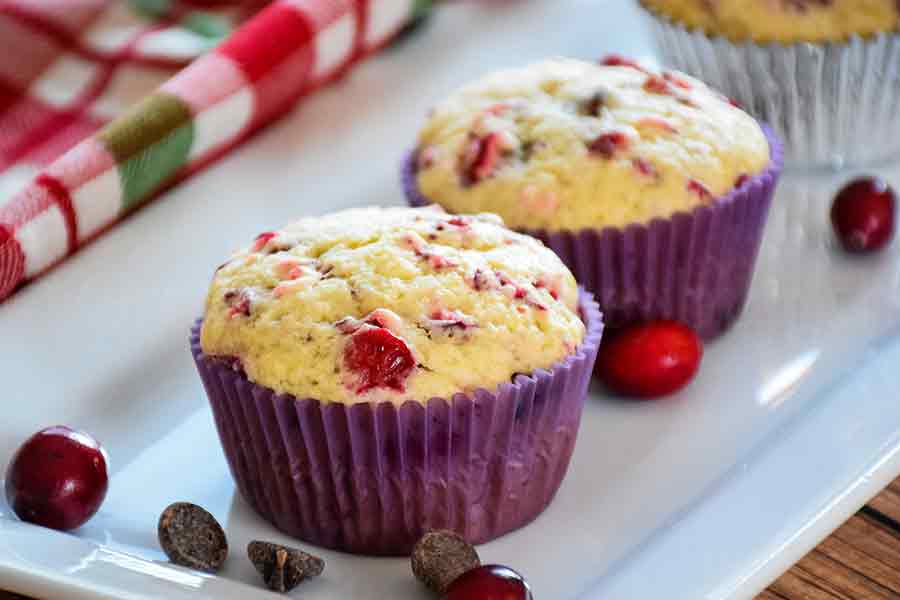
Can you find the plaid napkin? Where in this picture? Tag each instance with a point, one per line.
(93, 123)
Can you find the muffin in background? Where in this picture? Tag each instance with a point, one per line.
(377, 373)
(782, 21)
(824, 75)
(652, 187)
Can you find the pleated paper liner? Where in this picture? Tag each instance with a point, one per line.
(695, 267)
(371, 478)
(833, 104)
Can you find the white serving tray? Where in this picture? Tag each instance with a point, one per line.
(792, 424)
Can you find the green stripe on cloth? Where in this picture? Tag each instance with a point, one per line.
(153, 9)
(150, 144)
(421, 8)
(208, 25)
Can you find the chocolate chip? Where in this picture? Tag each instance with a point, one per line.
(439, 557)
(528, 149)
(283, 568)
(591, 106)
(191, 537)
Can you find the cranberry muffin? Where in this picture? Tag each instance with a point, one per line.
(362, 367)
(593, 157)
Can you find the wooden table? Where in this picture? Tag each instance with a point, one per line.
(860, 561)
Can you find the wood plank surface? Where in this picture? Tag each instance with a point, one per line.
(859, 561)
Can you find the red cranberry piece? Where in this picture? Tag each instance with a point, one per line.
(540, 283)
(608, 144)
(262, 239)
(677, 81)
(451, 319)
(863, 215)
(486, 158)
(644, 167)
(657, 85)
(238, 303)
(741, 180)
(650, 359)
(698, 188)
(57, 478)
(617, 60)
(241, 308)
(379, 359)
(458, 222)
(439, 262)
(490, 582)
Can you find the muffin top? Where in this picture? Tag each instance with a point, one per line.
(391, 304)
(785, 21)
(566, 144)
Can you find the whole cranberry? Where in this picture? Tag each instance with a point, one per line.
(58, 478)
(490, 582)
(651, 359)
(863, 215)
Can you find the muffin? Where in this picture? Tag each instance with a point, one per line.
(378, 373)
(652, 187)
(822, 73)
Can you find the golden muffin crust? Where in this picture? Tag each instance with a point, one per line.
(783, 21)
(566, 145)
(391, 304)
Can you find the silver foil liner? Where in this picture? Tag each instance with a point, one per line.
(833, 104)
(372, 478)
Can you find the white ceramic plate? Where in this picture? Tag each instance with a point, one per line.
(792, 424)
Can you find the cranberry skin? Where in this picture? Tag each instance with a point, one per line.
(486, 158)
(617, 60)
(489, 582)
(608, 144)
(379, 359)
(57, 478)
(863, 215)
(649, 360)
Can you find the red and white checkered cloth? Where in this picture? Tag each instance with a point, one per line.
(92, 123)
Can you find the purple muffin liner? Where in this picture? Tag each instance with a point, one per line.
(372, 478)
(695, 267)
